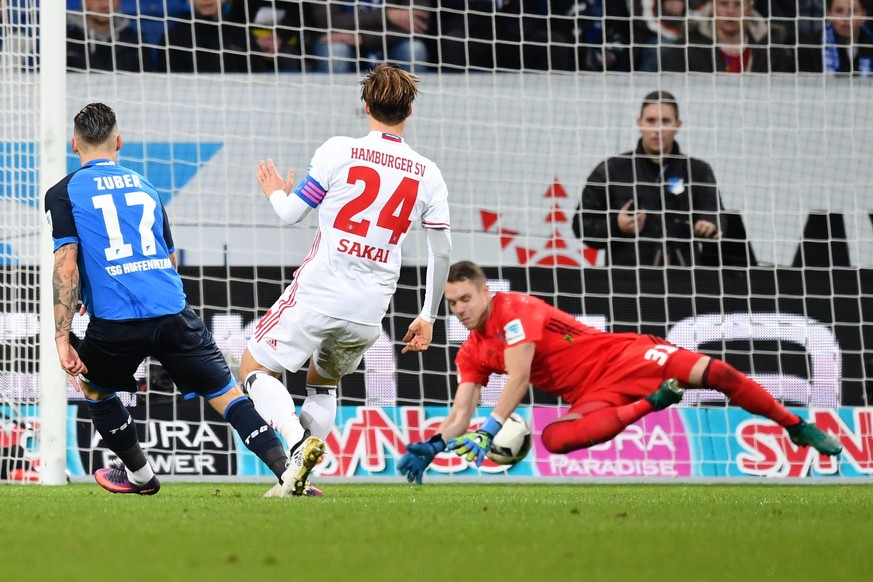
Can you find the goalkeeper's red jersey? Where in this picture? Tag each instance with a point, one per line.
(571, 358)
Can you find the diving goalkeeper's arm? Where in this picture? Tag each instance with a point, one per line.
(419, 455)
(475, 445)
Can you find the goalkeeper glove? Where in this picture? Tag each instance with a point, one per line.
(418, 456)
(475, 445)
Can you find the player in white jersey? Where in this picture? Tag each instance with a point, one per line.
(368, 191)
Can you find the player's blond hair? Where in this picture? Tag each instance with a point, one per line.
(389, 93)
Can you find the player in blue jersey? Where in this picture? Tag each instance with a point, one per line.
(114, 252)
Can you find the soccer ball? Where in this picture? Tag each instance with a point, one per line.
(512, 442)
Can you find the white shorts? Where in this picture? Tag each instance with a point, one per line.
(288, 335)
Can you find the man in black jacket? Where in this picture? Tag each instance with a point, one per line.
(649, 205)
(100, 39)
(731, 37)
(206, 42)
(845, 44)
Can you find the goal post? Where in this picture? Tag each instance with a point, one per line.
(790, 153)
(53, 137)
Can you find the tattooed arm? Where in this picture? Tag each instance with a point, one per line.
(65, 284)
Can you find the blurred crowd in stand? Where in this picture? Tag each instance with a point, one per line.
(238, 36)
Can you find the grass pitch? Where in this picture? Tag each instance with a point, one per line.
(219, 532)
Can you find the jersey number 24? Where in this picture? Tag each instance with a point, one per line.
(393, 217)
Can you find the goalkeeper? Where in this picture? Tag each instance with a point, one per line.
(608, 379)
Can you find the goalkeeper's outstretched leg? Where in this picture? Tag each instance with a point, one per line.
(596, 422)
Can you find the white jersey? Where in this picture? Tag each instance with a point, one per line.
(368, 191)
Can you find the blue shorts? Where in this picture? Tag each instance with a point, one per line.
(113, 350)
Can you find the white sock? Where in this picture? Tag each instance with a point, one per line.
(292, 431)
(318, 412)
(141, 476)
(275, 405)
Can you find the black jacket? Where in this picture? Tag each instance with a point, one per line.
(810, 54)
(208, 46)
(686, 192)
(701, 55)
(123, 51)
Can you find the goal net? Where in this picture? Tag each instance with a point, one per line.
(787, 298)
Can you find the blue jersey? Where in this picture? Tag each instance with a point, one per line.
(116, 217)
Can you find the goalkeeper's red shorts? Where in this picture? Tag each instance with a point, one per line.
(636, 372)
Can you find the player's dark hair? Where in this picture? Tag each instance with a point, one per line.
(466, 271)
(656, 97)
(389, 93)
(94, 124)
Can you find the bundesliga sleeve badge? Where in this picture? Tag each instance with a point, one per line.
(514, 332)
